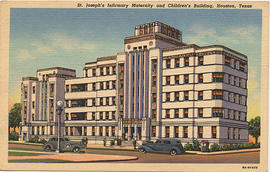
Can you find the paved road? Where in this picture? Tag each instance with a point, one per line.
(248, 157)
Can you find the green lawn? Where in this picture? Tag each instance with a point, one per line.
(39, 160)
(23, 154)
(35, 150)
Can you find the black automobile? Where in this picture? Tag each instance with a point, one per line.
(65, 145)
(171, 146)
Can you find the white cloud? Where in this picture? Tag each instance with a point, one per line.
(70, 43)
(41, 47)
(24, 54)
(243, 31)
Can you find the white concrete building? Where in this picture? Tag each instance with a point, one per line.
(160, 87)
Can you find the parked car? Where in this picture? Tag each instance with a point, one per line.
(65, 144)
(171, 146)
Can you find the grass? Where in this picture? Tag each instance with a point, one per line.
(39, 160)
(35, 150)
(24, 143)
(23, 154)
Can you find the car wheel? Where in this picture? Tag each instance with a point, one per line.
(142, 150)
(173, 152)
(48, 147)
(76, 149)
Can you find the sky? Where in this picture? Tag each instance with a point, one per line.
(42, 38)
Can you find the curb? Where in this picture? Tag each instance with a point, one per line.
(225, 152)
(115, 149)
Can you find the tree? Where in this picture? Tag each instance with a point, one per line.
(15, 116)
(254, 128)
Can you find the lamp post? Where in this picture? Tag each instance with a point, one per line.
(59, 109)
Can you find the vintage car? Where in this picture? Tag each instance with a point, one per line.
(171, 146)
(65, 145)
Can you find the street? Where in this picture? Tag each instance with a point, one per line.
(247, 157)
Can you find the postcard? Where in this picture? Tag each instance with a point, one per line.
(134, 85)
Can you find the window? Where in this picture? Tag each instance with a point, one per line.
(121, 83)
(186, 95)
(33, 104)
(229, 79)
(186, 61)
(67, 88)
(153, 131)
(185, 131)
(107, 84)
(176, 113)
(217, 94)
(107, 131)
(121, 100)
(113, 130)
(51, 130)
(154, 82)
(94, 86)
(33, 130)
(168, 80)
(154, 113)
(85, 131)
(200, 60)
(113, 115)
(34, 89)
(217, 112)
(33, 117)
(93, 131)
(228, 133)
(66, 116)
(66, 130)
(101, 101)
(100, 131)
(239, 134)
(185, 112)
(107, 115)
(78, 87)
(79, 103)
(200, 76)
(176, 96)
(218, 77)
(113, 100)
(176, 78)
(177, 62)
(114, 70)
(154, 96)
(101, 71)
(214, 132)
(242, 66)
(101, 85)
(167, 113)
(167, 131)
(107, 70)
(186, 79)
(93, 115)
(100, 115)
(93, 72)
(176, 131)
(200, 95)
(86, 73)
(200, 110)
(234, 132)
(113, 84)
(93, 102)
(78, 116)
(107, 100)
(168, 97)
(227, 61)
(200, 132)
(168, 63)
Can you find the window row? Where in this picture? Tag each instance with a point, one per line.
(106, 85)
(101, 71)
(108, 115)
(202, 112)
(235, 64)
(186, 62)
(92, 131)
(103, 101)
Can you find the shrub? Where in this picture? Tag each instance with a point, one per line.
(31, 140)
(43, 141)
(225, 147)
(188, 146)
(13, 136)
(196, 145)
(214, 147)
(112, 142)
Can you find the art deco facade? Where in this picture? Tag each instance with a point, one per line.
(158, 87)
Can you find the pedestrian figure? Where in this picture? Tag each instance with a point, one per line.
(104, 141)
(134, 143)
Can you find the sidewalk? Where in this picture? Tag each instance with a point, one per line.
(225, 152)
(74, 157)
(114, 147)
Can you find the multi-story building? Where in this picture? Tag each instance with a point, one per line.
(160, 87)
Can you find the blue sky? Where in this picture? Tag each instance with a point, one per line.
(41, 38)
